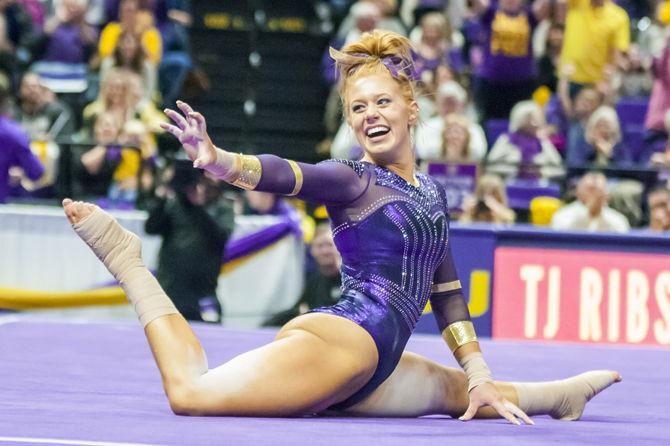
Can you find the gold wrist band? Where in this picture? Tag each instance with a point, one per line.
(233, 174)
(250, 170)
(298, 177)
(458, 334)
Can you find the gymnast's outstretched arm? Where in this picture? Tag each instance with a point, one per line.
(327, 182)
(453, 319)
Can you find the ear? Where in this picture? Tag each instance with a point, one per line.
(413, 113)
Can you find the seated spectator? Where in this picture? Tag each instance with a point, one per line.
(658, 206)
(16, 159)
(40, 112)
(322, 286)
(525, 151)
(451, 99)
(577, 114)
(590, 211)
(130, 55)
(114, 97)
(134, 143)
(603, 145)
(489, 204)
(136, 21)
(507, 73)
(456, 140)
(66, 37)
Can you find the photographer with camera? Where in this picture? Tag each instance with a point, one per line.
(195, 221)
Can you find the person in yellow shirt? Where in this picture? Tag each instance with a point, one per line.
(597, 37)
(137, 21)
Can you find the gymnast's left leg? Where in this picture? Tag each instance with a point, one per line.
(419, 386)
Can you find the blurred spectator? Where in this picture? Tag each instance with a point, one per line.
(597, 37)
(507, 74)
(322, 285)
(96, 166)
(658, 205)
(577, 114)
(434, 46)
(590, 210)
(265, 203)
(40, 112)
(603, 141)
(195, 223)
(16, 159)
(131, 55)
(16, 28)
(136, 21)
(659, 106)
(451, 99)
(66, 36)
(549, 62)
(388, 21)
(525, 151)
(456, 140)
(133, 145)
(489, 203)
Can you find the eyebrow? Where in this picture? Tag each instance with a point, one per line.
(377, 96)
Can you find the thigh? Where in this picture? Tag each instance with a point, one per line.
(418, 386)
(305, 370)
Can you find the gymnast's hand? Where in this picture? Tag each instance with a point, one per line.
(487, 394)
(191, 131)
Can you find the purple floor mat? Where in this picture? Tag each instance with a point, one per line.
(88, 383)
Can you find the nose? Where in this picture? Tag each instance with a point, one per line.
(371, 113)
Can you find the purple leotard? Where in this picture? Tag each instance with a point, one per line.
(393, 239)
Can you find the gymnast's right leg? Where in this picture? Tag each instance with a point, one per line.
(316, 360)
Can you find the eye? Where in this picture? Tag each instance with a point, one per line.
(356, 108)
(384, 101)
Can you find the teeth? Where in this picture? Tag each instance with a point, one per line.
(376, 129)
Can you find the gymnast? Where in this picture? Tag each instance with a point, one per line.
(390, 224)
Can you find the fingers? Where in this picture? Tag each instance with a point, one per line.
(503, 412)
(199, 120)
(176, 118)
(171, 129)
(187, 110)
(472, 410)
(517, 412)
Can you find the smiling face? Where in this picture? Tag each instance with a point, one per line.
(381, 117)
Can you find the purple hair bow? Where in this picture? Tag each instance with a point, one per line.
(396, 65)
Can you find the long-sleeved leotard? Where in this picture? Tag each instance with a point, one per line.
(393, 239)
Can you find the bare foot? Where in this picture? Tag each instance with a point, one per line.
(76, 211)
(580, 389)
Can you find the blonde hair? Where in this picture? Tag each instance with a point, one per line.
(603, 113)
(440, 21)
(365, 57)
(521, 113)
(461, 121)
(490, 184)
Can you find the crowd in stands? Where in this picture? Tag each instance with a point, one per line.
(537, 94)
(563, 100)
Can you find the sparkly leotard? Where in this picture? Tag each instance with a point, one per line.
(393, 239)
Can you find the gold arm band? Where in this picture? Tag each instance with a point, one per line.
(298, 177)
(250, 173)
(459, 333)
(449, 286)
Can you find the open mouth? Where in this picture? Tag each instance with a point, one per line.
(377, 131)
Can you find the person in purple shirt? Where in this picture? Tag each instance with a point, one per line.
(507, 73)
(390, 225)
(14, 146)
(66, 37)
